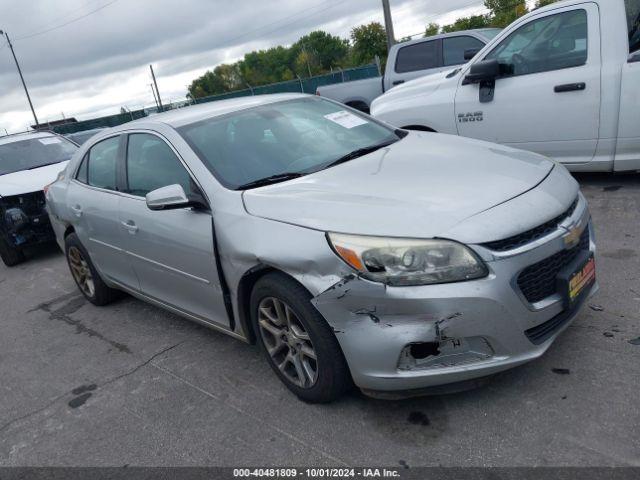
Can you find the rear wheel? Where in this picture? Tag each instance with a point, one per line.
(298, 343)
(11, 256)
(85, 274)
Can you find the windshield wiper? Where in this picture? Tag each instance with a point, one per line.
(261, 182)
(359, 153)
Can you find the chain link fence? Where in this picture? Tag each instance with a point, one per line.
(299, 85)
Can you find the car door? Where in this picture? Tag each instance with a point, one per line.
(550, 103)
(94, 204)
(171, 251)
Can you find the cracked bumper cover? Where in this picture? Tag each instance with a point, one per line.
(479, 325)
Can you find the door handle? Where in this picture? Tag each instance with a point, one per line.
(77, 210)
(397, 82)
(130, 226)
(570, 87)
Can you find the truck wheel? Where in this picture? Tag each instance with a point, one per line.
(11, 256)
(85, 274)
(298, 343)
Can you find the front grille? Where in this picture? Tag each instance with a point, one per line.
(533, 234)
(538, 281)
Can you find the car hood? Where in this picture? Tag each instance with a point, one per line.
(27, 181)
(421, 86)
(419, 187)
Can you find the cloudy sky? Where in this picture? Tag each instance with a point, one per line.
(88, 58)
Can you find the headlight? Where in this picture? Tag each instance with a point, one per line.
(398, 261)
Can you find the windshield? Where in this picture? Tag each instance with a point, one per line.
(293, 137)
(33, 153)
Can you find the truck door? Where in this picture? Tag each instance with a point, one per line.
(549, 102)
(628, 144)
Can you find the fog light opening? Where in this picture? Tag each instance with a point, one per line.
(424, 350)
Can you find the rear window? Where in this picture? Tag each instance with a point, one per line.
(420, 56)
(633, 21)
(34, 153)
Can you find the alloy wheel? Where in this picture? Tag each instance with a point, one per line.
(81, 271)
(287, 342)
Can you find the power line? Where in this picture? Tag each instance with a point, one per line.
(233, 39)
(42, 32)
(54, 20)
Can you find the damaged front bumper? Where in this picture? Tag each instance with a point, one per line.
(24, 220)
(411, 338)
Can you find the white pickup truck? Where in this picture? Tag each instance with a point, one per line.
(409, 60)
(563, 81)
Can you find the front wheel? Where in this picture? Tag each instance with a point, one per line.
(11, 256)
(298, 343)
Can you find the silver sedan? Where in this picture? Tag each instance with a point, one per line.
(350, 251)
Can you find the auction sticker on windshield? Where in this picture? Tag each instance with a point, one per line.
(346, 119)
(49, 140)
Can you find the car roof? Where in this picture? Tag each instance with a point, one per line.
(476, 32)
(16, 137)
(194, 113)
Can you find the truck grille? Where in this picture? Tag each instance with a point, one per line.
(538, 281)
(533, 234)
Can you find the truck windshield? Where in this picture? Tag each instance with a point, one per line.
(282, 140)
(34, 153)
(633, 21)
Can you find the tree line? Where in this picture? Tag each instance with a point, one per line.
(320, 52)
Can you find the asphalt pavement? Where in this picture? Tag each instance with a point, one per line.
(130, 384)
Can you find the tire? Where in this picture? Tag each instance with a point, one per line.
(332, 377)
(92, 287)
(11, 256)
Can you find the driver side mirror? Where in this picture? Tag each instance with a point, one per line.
(173, 197)
(486, 71)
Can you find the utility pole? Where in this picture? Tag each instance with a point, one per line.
(153, 92)
(388, 23)
(21, 77)
(153, 75)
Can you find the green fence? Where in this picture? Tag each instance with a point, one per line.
(301, 85)
(101, 122)
(304, 85)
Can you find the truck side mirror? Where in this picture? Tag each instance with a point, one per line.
(470, 53)
(484, 71)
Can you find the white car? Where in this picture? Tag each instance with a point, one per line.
(28, 162)
(561, 81)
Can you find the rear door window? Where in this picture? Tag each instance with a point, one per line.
(103, 160)
(81, 176)
(419, 56)
(453, 49)
(633, 23)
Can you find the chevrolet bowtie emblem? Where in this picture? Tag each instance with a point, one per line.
(572, 238)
